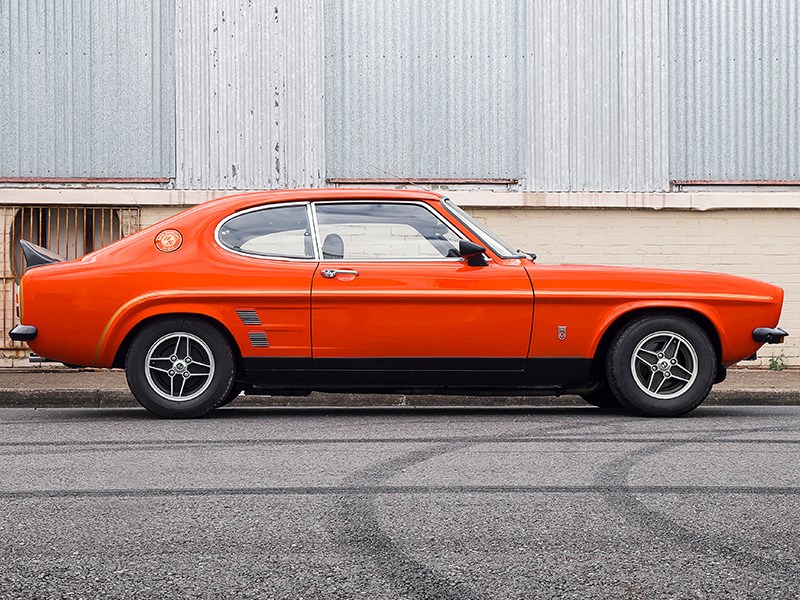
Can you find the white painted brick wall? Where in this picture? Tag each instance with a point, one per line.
(762, 244)
(149, 215)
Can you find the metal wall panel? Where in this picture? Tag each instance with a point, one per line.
(598, 95)
(425, 89)
(86, 88)
(250, 107)
(735, 90)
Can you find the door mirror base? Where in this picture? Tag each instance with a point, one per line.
(473, 253)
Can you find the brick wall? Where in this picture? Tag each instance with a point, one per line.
(763, 244)
(151, 215)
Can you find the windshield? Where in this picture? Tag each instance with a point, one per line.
(492, 240)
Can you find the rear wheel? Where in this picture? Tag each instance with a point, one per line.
(661, 365)
(180, 368)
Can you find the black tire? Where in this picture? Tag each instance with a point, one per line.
(682, 372)
(236, 389)
(602, 397)
(204, 367)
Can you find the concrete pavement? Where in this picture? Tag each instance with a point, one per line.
(61, 387)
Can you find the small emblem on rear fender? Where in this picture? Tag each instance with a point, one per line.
(562, 332)
(169, 240)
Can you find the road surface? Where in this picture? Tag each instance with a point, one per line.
(400, 503)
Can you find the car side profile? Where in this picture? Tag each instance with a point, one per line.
(288, 292)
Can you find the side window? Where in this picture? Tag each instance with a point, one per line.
(281, 231)
(383, 230)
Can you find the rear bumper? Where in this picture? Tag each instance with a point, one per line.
(769, 335)
(23, 333)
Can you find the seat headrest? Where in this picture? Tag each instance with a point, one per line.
(333, 246)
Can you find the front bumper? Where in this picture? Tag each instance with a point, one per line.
(23, 333)
(769, 335)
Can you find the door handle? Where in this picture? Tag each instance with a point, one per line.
(331, 273)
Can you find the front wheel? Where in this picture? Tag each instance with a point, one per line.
(180, 368)
(661, 365)
(602, 398)
(236, 390)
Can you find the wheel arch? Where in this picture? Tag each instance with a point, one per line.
(122, 349)
(597, 370)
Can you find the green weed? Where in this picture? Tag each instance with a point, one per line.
(778, 363)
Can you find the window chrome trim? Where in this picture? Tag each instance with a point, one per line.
(314, 228)
(477, 233)
(315, 231)
(427, 207)
(311, 207)
(269, 206)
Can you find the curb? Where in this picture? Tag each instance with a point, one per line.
(87, 398)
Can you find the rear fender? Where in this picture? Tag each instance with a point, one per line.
(146, 306)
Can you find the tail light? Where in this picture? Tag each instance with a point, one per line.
(17, 295)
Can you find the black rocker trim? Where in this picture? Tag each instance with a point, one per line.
(414, 374)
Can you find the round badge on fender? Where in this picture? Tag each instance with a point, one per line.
(169, 240)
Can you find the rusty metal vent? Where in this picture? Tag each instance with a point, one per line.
(248, 316)
(258, 339)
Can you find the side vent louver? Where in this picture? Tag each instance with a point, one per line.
(248, 316)
(258, 339)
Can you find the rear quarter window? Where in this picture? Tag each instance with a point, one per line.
(281, 231)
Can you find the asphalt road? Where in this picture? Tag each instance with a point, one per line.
(400, 503)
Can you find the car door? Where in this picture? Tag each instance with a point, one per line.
(394, 306)
(268, 259)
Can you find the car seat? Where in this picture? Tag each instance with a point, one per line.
(333, 246)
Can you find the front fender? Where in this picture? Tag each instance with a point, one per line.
(732, 318)
(621, 311)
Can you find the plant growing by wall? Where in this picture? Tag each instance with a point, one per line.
(778, 363)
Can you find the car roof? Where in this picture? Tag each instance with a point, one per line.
(226, 205)
(311, 194)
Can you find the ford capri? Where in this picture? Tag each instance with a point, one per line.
(391, 291)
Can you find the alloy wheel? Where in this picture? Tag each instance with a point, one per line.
(179, 366)
(664, 365)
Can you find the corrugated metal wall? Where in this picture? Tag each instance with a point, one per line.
(250, 107)
(566, 96)
(598, 95)
(425, 89)
(735, 81)
(86, 88)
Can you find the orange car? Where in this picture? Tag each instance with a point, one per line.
(286, 292)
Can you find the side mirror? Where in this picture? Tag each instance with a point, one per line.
(473, 253)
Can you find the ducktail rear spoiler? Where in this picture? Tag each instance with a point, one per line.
(36, 256)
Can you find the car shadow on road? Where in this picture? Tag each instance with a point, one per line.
(250, 412)
(238, 412)
(702, 412)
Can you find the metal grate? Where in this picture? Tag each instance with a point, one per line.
(70, 231)
(248, 316)
(258, 339)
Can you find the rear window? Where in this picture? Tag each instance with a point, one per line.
(280, 231)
